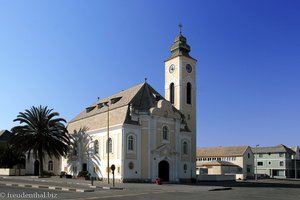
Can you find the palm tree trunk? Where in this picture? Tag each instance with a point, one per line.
(40, 152)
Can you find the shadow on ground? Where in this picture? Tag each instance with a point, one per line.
(259, 183)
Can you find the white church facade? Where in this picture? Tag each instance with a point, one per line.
(144, 134)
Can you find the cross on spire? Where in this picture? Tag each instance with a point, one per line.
(180, 28)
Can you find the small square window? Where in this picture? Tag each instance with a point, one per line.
(281, 154)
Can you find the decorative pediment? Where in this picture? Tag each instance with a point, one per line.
(165, 109)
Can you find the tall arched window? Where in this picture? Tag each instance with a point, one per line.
(172, 93)
(50, 165)
(96, 147)
(109, 145)
(189, 93)
(185, 148)
(130, 143)
(165, 133)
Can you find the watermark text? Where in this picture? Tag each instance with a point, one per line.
(25, 195)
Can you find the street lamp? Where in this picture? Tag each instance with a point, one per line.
(256, 162)
(108, 141)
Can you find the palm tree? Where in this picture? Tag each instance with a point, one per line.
(41, 134)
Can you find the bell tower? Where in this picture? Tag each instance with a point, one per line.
(180, 86)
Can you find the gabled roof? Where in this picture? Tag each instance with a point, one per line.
(126, 98)
(222, 151)
(274, 149)
(5, 135)
(141, 97)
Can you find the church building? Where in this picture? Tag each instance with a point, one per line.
(143, 134)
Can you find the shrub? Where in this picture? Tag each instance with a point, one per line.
(46, 173)
(83, 174)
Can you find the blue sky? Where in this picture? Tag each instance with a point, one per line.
(65, 54)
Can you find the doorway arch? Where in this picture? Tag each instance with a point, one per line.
(36, 167)
(163, 170)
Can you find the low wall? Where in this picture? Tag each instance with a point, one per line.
(240, 177)
(216, 178)
(12, 172)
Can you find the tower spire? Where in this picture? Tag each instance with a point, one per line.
(180, 46)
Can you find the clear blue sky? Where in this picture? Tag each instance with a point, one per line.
(65, 54)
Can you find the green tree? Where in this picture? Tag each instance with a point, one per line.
(40, 132)
(10, 157)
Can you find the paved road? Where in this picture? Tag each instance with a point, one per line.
(284, 190)
(173, 192)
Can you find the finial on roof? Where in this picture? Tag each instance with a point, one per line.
(180, 28)
(145, 80)
(98, 98)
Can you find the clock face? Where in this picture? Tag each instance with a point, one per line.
(172, 68)
(188, 68)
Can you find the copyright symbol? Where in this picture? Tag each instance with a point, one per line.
(2, 195)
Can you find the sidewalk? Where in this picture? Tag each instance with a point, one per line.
(81, 185)
(62, 181)
(78, 185)
(46, 183)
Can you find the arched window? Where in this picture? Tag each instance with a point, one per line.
(130, 143)
(185, 167)
(109, 145)
(189, 93)
(165, 133)
(23, 162)
(172, 93)
(96, 147)
(50, 165)
(185, 148)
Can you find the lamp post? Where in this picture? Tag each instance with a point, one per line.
(295, 163)
(256, 162)
(108, 141)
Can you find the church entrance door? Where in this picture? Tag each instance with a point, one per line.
(163, 170)
(36, 167)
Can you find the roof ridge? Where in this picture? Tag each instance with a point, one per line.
(224, 147)
(132, 91)
(123, 91)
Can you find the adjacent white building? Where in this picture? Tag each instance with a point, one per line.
(237, 160)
